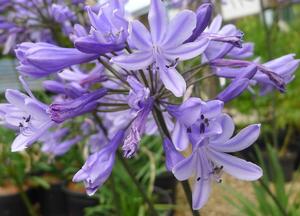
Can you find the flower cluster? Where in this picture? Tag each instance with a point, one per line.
(36, 20)
(126, 81)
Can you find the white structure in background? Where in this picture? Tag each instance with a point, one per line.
(234, 9)
(230, 10)
(137, 7)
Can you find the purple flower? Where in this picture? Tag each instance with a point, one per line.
(141, 104)
(60, 112)
(224, 41)
(187, 114)
(62, 13)
(53, 142)
(273, 74)
(164, 46)
(109, 29)
(99, 165)
(41, 59)
(27, 114)
(209, 158)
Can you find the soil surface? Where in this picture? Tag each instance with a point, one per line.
(217, 205)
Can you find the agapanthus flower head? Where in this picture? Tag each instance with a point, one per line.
(37, 21)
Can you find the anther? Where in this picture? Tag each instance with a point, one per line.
(202, 128)
(28, 119)
(189, 130)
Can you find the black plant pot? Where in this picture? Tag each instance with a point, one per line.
(165, 186)
(287, 164)
(76, 202)
(52, 201)
(12, 205)
(167, 182)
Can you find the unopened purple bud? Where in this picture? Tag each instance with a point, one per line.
(86, 103)
(204, 13)
(233, 90)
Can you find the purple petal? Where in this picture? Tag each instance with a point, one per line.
(158, 20)
(215, 24)
(140, 37)
(16, 98)
(65, 146)
(241, 53)
(227, 125)
(80, 176)
(279, 61)
(242, 140)
(201, 192)
(212, 108)
(233, 90)
(188, 112)
(236, 167)
(134, 61)
(54, 59)
(188, 50)
(173, 157)
(185, 168)
(180, 137)
(173, 81)
(204, 13)
(91, 46)
(179, 29)
(36, 109)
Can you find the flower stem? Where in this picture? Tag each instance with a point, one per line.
(139, 187)
(163, 129)
(115, 195)
(187, 190)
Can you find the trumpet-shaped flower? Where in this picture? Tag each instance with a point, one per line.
(210, 156)
(99, 165)
(29, 115)
(109, 29)
(41, 59)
